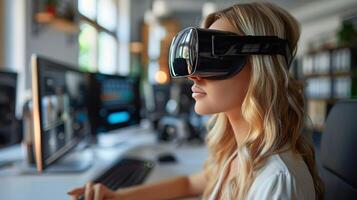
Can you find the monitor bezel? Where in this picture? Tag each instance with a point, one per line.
(37, 63)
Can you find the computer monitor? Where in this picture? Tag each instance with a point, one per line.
(60, 109)
(114, 102)
(9, 126)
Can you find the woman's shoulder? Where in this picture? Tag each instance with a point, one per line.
(284, 176)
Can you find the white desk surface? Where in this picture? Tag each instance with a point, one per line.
(15, 185)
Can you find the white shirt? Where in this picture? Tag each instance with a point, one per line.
(284, 176)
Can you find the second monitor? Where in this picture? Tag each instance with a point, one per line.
(114, 102)
(60, 110)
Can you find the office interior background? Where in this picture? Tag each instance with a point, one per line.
(129, 40)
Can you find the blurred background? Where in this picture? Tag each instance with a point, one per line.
(131, 38)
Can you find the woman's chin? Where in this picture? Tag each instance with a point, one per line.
(203, 110)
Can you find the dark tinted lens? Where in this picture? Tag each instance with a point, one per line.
(183, 53)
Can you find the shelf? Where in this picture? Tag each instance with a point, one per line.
(329, 48)
(58, 23)
(333, 74)
(330, 76)
(314, 75)
(65, 25)
(328, 100)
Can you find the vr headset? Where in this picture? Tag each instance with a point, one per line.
(213, 54)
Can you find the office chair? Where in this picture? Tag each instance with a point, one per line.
(338, 151)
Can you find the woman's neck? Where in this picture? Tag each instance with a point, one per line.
(239, 125)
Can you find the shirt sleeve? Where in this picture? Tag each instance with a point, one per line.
(275, 187)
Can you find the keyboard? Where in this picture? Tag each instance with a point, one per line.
(125, 172)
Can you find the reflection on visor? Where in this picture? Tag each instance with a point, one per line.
(183, 53)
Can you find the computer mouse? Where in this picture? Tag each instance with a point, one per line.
(167, 158)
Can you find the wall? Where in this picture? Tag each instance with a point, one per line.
(50, 43)
(13, 45)
(2, 35)
(124, 34)
(137, 13)
(18, 43)
(188, 18)
(187, 15)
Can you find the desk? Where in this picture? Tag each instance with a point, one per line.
(17, 186)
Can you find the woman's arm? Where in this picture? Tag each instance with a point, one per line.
(179, 187)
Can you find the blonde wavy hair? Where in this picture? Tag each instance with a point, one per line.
(273, 105)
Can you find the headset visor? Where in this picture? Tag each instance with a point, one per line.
(214, 54)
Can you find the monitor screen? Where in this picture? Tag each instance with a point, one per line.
(61, 118)
(9, 130)
(115, 102)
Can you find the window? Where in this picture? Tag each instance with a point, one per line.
(107, 53)
(98, 38)
(88, 47)
(88, 8)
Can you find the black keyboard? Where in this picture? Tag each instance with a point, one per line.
(125, 172)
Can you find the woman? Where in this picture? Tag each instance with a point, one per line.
(256, 147)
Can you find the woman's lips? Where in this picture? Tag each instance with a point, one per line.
(197, 92)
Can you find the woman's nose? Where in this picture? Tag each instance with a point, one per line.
(194, 78)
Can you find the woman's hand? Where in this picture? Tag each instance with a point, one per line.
(94, 192)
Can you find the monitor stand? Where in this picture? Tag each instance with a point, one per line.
(74, 162)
